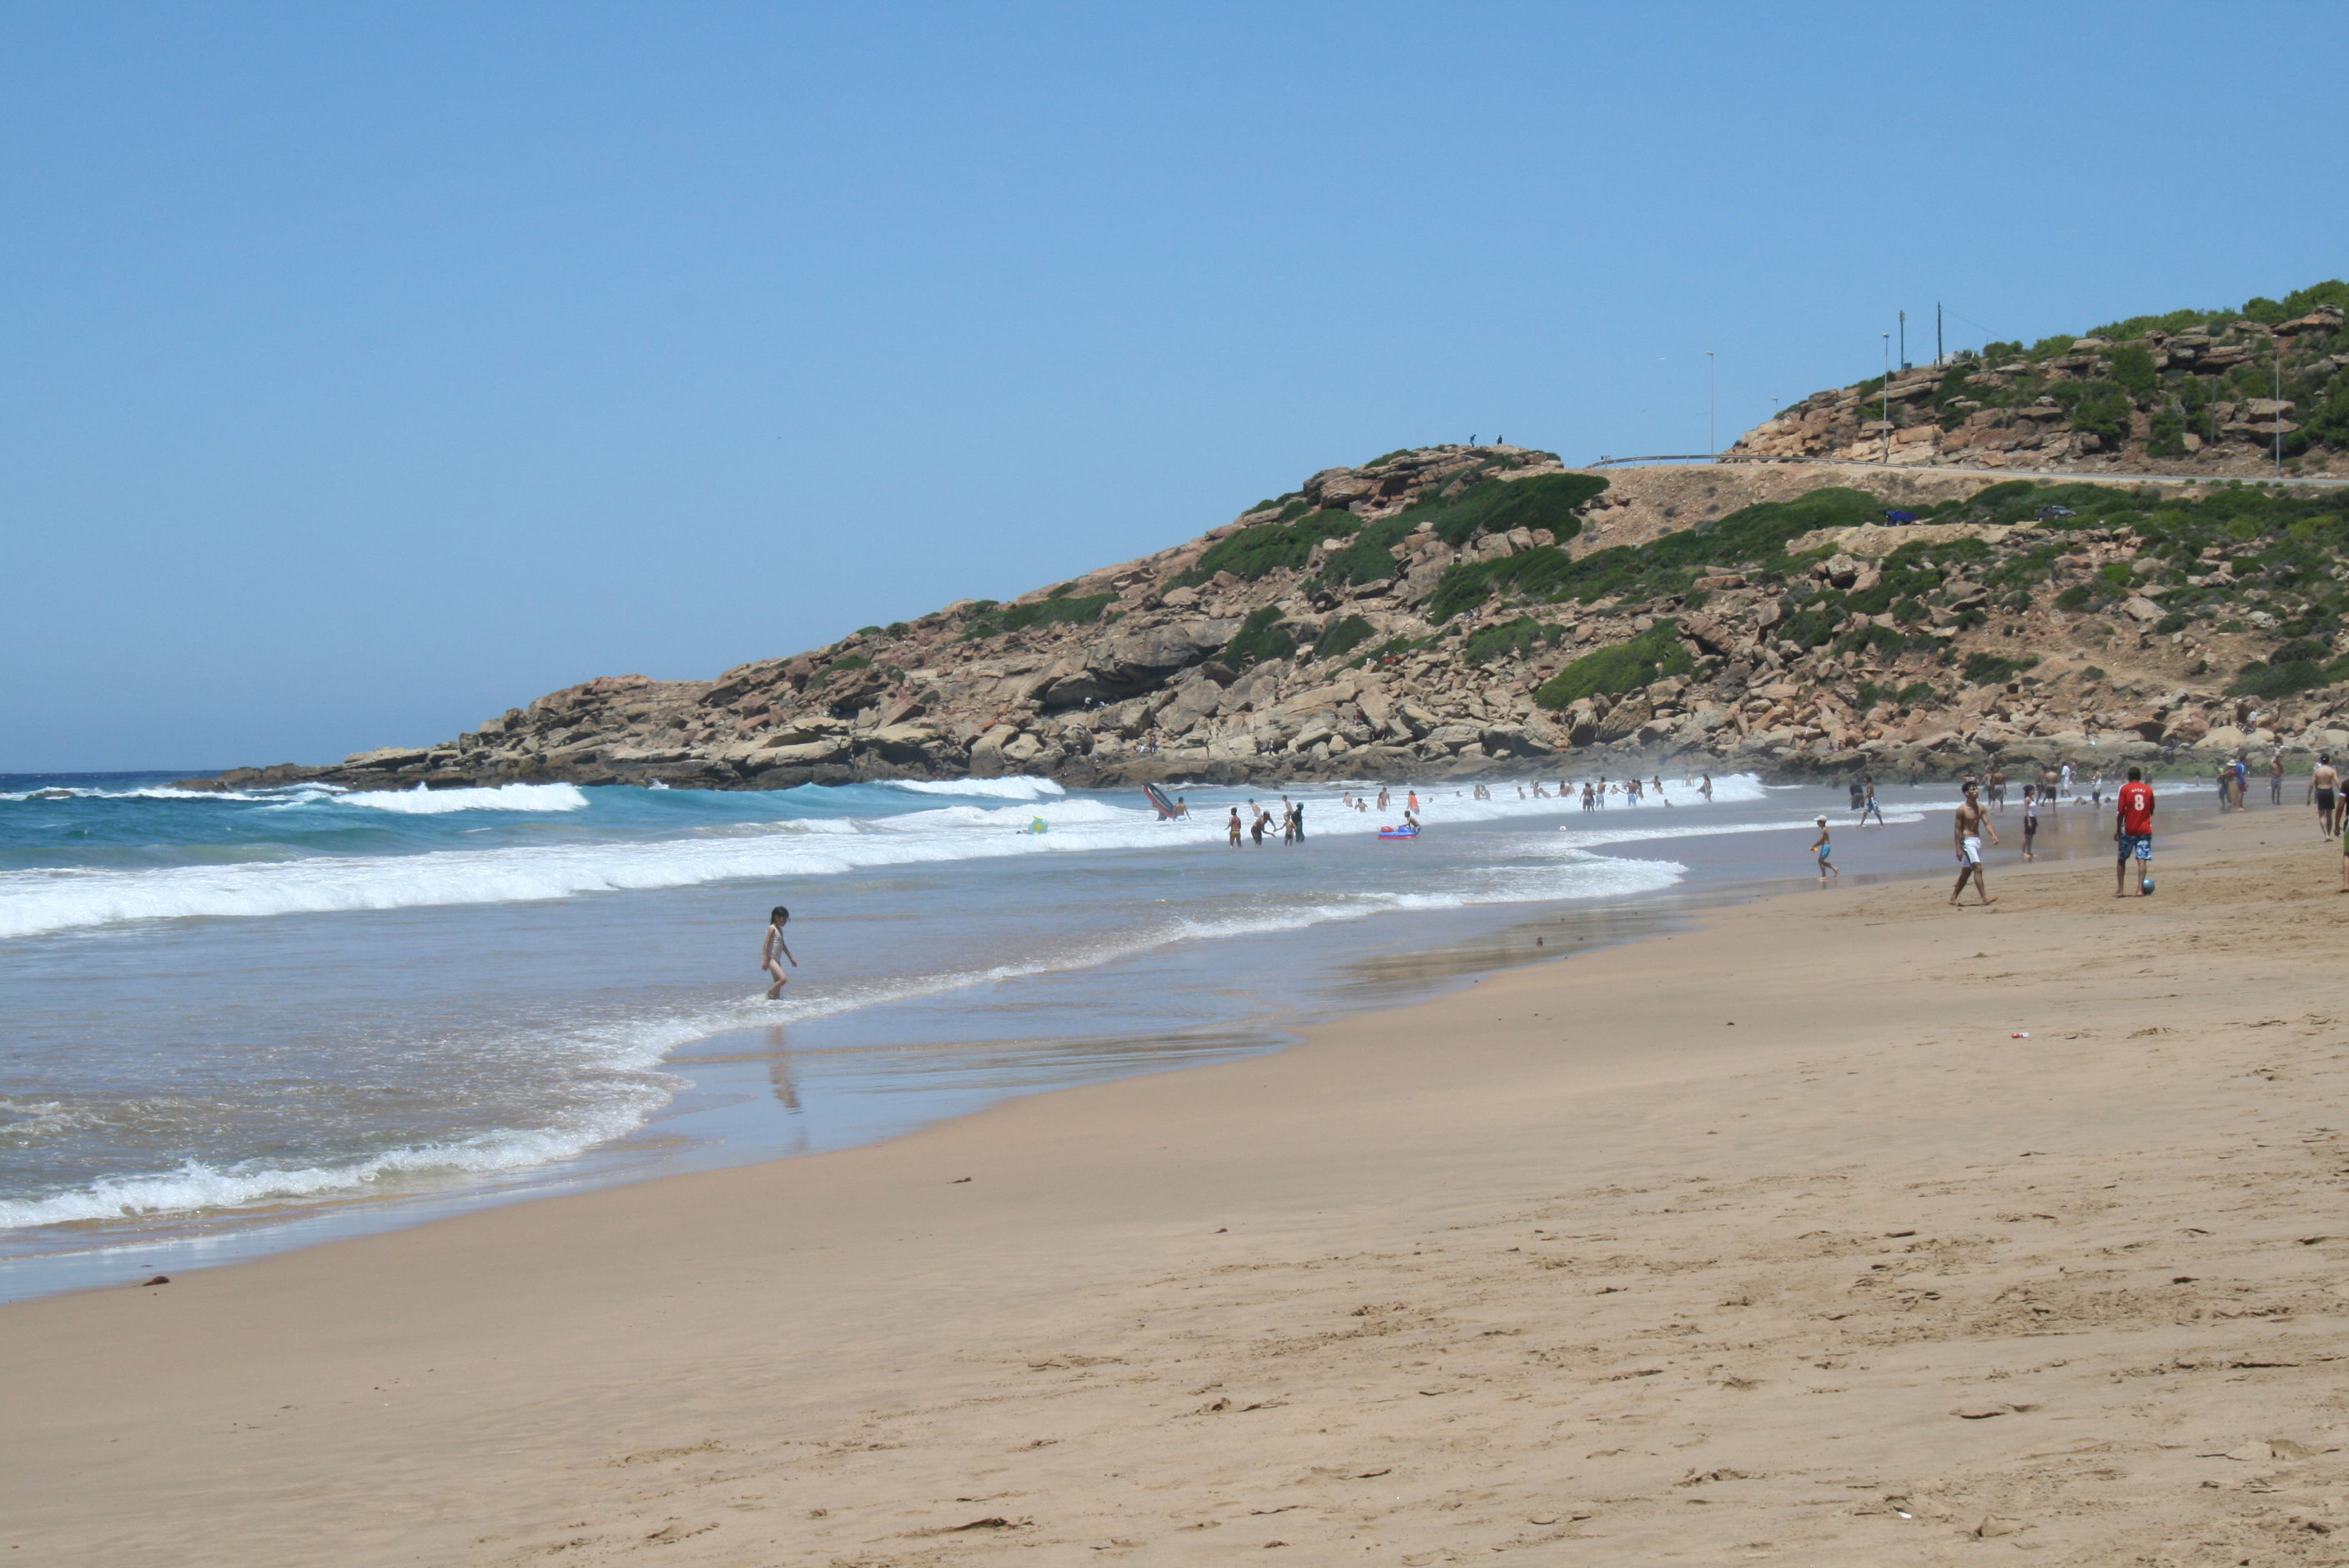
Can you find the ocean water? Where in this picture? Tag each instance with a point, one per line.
(231, 1020)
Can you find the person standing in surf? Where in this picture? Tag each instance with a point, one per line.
(774, 950)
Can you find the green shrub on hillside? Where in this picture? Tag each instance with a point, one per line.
(2133, 369)
(1751, 536)
(1370, 557)
(1992, 669)
(2166, 436)
(1260, 637)
(1883, 642)
(1553, 501)
(1626, 666)
(1540, 573)
(1813, 624)
(2296, 668)
(1268, 547)
(2097, 408)
(1002, 618)
(1343, 637)
(1511, 639)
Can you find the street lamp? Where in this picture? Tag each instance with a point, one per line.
(1711, 408)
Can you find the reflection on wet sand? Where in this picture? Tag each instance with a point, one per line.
(779, 1069)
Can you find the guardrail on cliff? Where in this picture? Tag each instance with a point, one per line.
(2093, 476)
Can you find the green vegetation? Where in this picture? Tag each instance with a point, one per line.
(1269, 546)
(1553, 501)
(1512, 639)
(2176, 393)
(996, 619)
(1392, 648)
(1870, 694)
(1752, 537)
(2300, 665)
(1882, 641)
(1261, 636)
(1341, 637)
(1653, 654)
(1370, 557)
(1992, 669)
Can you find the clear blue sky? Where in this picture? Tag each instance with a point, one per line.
(372, 367)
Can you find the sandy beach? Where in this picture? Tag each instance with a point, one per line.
(1843, 1228)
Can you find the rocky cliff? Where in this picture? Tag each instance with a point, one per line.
(2193, 392)
(1452, 611)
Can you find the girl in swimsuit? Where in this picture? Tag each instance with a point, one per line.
(774, 950)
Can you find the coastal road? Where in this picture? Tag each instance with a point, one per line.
(2097, 476)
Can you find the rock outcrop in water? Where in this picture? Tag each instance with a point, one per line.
(1455, 611)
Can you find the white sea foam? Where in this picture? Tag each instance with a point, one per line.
(422, 802)
(1023, 788)
(36, 901)
(632, 1051)
(154, 792)
(1578, 838)
(623, 1056)
(32, 902)
(196, 1186)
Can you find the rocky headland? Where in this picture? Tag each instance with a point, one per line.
(1456, 611)
(1460, 610)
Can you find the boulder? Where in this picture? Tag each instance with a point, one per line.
(904, 743)
(1624, 719)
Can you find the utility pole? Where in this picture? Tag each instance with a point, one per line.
(1904, 340)
(1886, 416)
(1937, 335)
(2277, 338)
(1712, 408)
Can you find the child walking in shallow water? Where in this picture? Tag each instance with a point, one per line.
(774, 950)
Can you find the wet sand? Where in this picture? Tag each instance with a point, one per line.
(1764, 1242)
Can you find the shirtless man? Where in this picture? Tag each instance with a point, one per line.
(1972, 823)
(2325, 789)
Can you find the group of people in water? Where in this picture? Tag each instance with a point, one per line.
(1598, 793)
(1260, 820)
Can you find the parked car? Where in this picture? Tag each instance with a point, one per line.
(1894, 514)
(2048, 512)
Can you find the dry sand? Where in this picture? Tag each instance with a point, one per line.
(1765, 1242)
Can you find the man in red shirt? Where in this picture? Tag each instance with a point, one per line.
(2133, 835)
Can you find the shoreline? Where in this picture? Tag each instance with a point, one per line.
(697, 1130)
(990, 1307)
(720, 1113)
